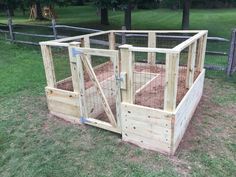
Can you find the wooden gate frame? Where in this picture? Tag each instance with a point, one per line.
(80, 59)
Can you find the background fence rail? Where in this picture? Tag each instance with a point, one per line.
(218, 57)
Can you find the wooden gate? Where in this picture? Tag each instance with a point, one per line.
(99, 95)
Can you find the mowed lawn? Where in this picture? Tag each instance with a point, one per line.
(33, 143)
(219, 22)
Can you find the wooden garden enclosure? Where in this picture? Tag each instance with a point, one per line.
(129, 82)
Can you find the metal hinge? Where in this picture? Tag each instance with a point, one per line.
(119, 78)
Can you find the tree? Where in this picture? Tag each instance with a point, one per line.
(77, 2)
(104, 16)
(9, 6)
(127, 16)
(38, 10)
(36, 7)
(186, 12)
(104, 5)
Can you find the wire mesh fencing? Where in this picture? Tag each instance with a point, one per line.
(148, 82)
(106, 79)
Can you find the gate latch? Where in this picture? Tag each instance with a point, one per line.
(122, 80)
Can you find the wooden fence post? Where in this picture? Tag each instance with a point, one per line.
(12, 36)
(127, 65)
(201, 50)
(171, 81)
(232, 55)
(123, 37)
(85, 42)
(152, 44)
(48, 65)
(191, 64)
(112, 41)
(54, 28)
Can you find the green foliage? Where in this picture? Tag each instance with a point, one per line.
(105, 3)
(177, 4)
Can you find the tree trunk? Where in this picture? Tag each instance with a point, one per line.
(80, 2)
(185, 19)
(39, 14)
(10, 9)
(104, 16)
(22, 8)
(128, 16)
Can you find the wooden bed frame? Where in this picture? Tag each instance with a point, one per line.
(155, 129)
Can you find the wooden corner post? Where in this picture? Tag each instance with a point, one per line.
(48, 66)
(126, 75)
(171, 81)
(191, 64)
(152, 44)
(201, 50)
(85, 42)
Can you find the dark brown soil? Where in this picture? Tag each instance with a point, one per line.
(152, 95)
(103, 72)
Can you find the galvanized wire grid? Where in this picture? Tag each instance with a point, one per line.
(103, 68)
(61, 62)
(105, 75)
(149, 79)
(148, 82)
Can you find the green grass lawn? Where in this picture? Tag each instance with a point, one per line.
(33, 143)
(219, 22)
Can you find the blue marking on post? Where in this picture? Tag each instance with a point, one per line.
(83, 120)
(76, 52)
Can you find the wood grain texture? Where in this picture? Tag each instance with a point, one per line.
(146, 127)
(186, 109)
(171, 81)
(48, 65)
